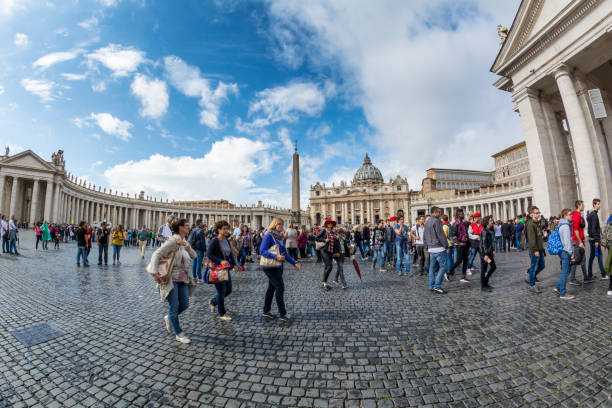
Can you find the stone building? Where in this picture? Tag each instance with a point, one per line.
(502, 193)
(555, 60)
(366, 198)
(33, 190)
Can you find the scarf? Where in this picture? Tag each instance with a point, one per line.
(277, 236)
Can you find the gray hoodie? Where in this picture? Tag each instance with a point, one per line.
(434, 235)
(566, 236)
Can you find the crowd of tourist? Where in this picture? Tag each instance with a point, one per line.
(435, 245)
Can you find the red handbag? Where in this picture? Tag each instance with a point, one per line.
(218, 273)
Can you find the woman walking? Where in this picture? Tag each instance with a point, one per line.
(487, 252)
(302, 242)
(291, 241)
(276, 286)
(118, 238)
(345, 252)
(245, 244)
(38, 233)
(329, 250)
(220, 253)
(179, 284)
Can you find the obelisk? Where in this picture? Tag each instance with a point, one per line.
(295, 193)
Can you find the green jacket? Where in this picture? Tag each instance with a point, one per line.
(534, 237)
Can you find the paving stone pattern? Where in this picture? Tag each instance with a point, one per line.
(387, 341)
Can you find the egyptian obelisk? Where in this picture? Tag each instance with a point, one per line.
(295, 193)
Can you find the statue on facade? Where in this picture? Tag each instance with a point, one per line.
(8, 150)
(502, 33)
(58, 158)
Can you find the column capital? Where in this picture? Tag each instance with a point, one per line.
(561, 70)
(525, 93)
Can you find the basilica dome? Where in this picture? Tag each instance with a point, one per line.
(367, 172)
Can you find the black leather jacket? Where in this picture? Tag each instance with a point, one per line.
(486, 242)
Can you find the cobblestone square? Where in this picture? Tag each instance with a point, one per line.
(386, 341)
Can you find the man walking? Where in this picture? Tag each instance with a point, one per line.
(459, 236)
(198, 243)
(81, 239)
(402, 250)
(389, 240)
(365, 243)
(595, 240)
(577, 228)
(567, 254)
(143, 237)
(102, 240)
(418, 231)
(434, 242)
(536, 248)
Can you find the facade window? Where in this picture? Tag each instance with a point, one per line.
(318, 193)
(338, 206)
(399, 204)
(376, 204)
(399, 188)
(356, 205)
(318, 206)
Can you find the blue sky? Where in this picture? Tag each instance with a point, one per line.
(205, 99)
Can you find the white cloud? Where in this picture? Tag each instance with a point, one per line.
(109, 3)
(8, 7)
(319, 131)
(187, 80)
(39, 87)
(119, 59)
(96, 163)
(171, 177)
(48, 60)
(107, 123)
(74, 77)
(89, 23)
(153, 95)
(1, 89)
(286, 103)
(419, 70)
(21, 40)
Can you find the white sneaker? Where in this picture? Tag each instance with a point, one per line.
(168, 326)
(469, 272)
(213, 308)
(183, 339)
(610, 293)
(225, 318)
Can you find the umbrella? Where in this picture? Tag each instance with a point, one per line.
(356, 267)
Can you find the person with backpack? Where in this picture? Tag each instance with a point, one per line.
(378, 242)
(578, 225)
(197, 240)
(474, 231)
(459, 236)
(594, 231)
(102, 239)
(518, 234)
(536, 248)
(81, 238)
(276, 285)
(143, 236)
(560, 241)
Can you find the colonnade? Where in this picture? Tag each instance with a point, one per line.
(499, 210)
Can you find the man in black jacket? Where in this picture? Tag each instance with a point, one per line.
(198, 243)
(389, 241)
(507, 229)
(594, 231)
(365, 237)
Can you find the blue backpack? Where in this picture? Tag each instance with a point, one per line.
(554, 244)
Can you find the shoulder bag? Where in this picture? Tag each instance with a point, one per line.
(164, 266)
(218, 273)
(269, 262)
(319, 245)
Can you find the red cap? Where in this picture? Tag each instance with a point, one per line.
(477, 214)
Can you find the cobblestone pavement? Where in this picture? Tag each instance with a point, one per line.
(386, 341)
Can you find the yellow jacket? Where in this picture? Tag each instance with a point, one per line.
(118, 238)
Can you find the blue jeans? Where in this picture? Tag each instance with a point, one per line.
(388, 252)
(196, 268)
(565, 270)
(450, 258)
(376, 255)
(473, 252)
(365, 249)
(5, 243)
(402, 255)
(242, 256)
(437, 260)
(519, 244)
(223, 291)
(498, 243)
(81, 254)
(116, 252)
(595, 253)
(178, 302)
(537, 265)
(13, 247)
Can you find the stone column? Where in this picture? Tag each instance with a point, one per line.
(14, 197)
(56, 203)
(2, 196)
(48, 200)
(34, 206)
(583, 150)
